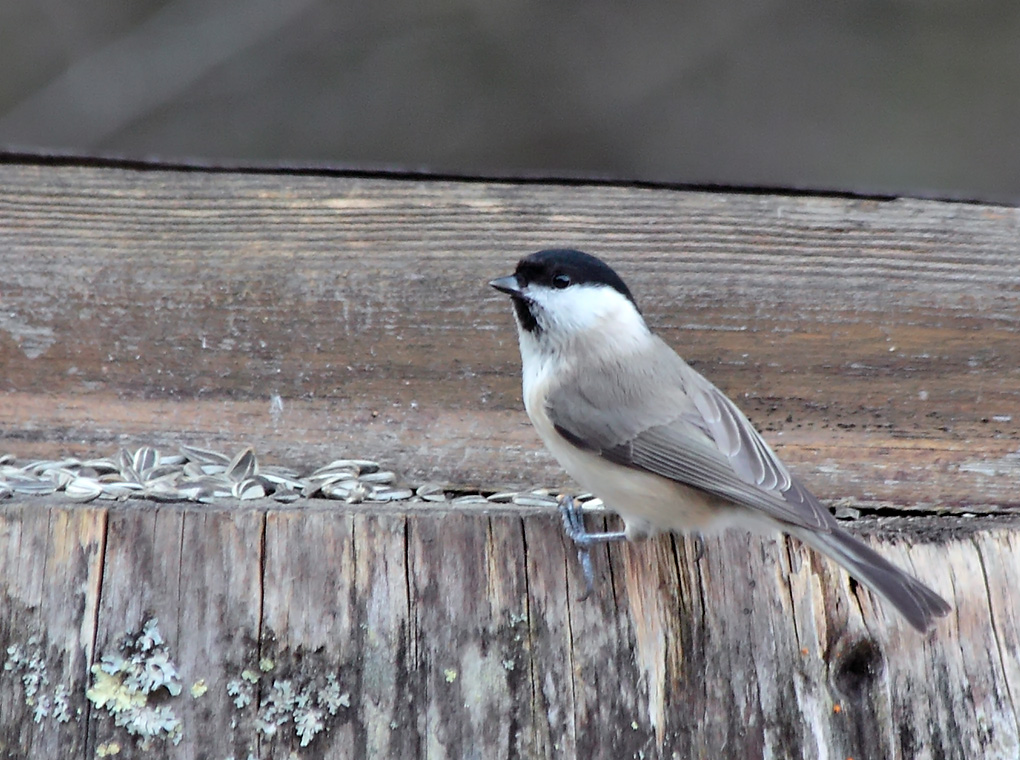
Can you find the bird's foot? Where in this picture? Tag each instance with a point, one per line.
(573, 524)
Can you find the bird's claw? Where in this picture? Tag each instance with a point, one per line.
(573, 525)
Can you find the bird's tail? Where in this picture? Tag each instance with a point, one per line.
(915, 601)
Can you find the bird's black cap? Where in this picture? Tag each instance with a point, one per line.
(550, 266)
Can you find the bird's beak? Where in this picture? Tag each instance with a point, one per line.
(508, 285)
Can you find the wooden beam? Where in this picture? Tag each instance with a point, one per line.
(456, 631)
(874, 341)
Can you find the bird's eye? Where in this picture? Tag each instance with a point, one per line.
(560, 281)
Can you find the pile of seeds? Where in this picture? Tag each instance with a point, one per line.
(201, 475)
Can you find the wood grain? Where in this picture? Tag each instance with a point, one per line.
(458, 633)
(50, 570)
(873, 340)
(198, 573)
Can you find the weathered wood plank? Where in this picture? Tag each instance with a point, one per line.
(312, 626)
(874, 340)
(469, 610)
(50, 570)
(386, 708)
(198, 573)
(458, 632)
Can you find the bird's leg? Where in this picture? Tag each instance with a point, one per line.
(573, 524)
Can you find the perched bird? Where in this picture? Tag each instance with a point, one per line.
(633, 423)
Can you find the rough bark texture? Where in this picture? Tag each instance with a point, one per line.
(874, 342)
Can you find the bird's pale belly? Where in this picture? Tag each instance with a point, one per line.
(647, 503)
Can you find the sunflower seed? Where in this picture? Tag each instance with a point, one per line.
(534, 500)
(344, 484)
(32, 486)
(391, 494)
(340, 476)
(249, 489)
(337, 477)
(212, 486)
(283, 477)
(145, 459)
(100, 466)
(194, 491)
(243, 465)
(161, 471)
(224, 490)
(167, 479)
(475, 498)
(162, 490)
(377, 477)
(120, 489)
(192, 470)
(431, 492)
(336, 490)
(337, 467)
(126, 466)
(286, 496)
(83, 489)
(59, 475)
(42, 465)
(7, 459)
(204, 456)
(502, 497)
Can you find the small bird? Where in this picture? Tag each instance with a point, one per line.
(633, 423)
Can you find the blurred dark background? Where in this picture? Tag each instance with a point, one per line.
(897, 96)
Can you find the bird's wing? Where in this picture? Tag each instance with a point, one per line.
(685, 430)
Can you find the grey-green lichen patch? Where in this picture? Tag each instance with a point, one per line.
(300, 704)
(136, 685)
(28, 662)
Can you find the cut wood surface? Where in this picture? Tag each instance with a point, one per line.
(874, 341)
(459, 633)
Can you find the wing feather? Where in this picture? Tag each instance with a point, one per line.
(687, 431)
